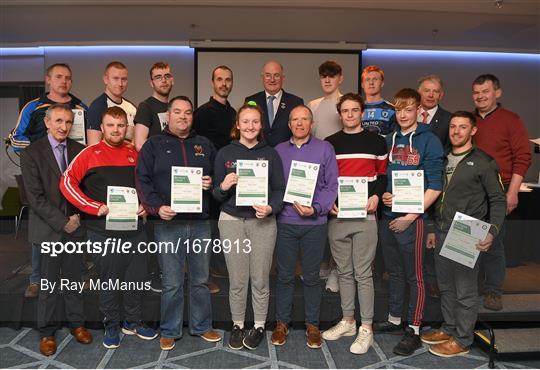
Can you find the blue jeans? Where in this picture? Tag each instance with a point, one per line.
(310, 240)
(172, 269)
(36, 263)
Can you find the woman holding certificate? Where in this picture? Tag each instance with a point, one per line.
(250, 185)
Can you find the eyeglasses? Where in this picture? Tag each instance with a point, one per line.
(162, 77)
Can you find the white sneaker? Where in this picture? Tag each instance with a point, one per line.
(332, 282)
(341, 329)
(362, 342)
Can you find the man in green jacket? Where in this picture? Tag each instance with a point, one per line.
(472, 185)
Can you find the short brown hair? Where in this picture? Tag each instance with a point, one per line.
(235, 132)
(480, 80)
(179, 97)
(350, 96)
(464, 114)
(404, 96)
(221, 67)
(329, 69)
(372, 68)
(115, 112)
(53, 66)
(158, 65)
(115, 64)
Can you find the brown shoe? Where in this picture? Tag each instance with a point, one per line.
(279, 335)
(47, 346)
(82, 335)
(31, 291)
(493, 301)
(434, 337)
(166, 344)
(212, 287)
(450, 348)
(314, 339)
(211, 336)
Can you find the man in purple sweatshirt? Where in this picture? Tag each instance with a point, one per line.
(303, 228)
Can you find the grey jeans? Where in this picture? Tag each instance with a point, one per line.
(353, 243)
(459, 295)
(245, 264)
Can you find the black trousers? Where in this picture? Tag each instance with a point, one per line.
(120, 267)
(53, 303)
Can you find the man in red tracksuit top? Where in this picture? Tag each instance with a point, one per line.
(84, 184)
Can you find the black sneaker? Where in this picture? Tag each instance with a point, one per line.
(237, 336)
(254, 338)
(408, 344)
(388, 328)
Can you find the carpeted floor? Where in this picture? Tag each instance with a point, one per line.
(20, 349)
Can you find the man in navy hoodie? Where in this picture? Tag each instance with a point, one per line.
(178, 145)
(413, 146)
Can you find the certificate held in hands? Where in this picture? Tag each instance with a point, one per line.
(408, 191)
(123, 205)
(78, 131)
(186, 189)
(460, 243)
(301, 183)
(352, 197)
(252, 186)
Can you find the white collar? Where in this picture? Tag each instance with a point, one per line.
(277, 96)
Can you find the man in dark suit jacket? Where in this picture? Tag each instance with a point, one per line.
(275, 103)
(431, 93)
(53, 220)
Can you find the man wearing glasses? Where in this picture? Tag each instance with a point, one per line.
(151, 116)
(275, 103)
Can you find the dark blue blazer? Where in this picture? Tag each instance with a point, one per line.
(280, 131)
(440, 124)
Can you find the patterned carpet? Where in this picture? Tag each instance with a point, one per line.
(20, 349)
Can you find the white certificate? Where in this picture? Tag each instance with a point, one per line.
(252, 186)
(130, 133)
(78, 131)
(460, 243)
(163, 119)
(123, 206)
(352, 197)
(408, 191)
(186, 189)
(301, 183)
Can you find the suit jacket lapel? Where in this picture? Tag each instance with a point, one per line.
(282, 106)
(50, 158)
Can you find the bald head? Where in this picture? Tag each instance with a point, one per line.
(272, 77)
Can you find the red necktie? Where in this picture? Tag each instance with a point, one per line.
(425, 115)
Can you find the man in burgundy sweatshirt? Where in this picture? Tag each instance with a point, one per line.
(503, 135)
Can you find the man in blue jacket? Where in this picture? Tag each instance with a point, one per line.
(413, 146)
(178, 145)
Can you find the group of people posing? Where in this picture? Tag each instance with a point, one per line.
(472, 163)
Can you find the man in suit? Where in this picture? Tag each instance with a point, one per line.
(431, 92)
(275, 103)
(52, 220)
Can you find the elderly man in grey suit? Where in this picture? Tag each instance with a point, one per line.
(53, 220)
